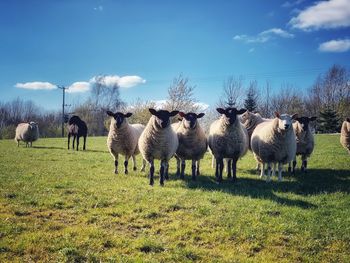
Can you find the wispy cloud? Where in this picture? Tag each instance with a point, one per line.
(341, 45)
(114, 80)
(80, 86)
(324, 14)
(289, 4)
(251, 50)
(264, 36)
(36, 85)
(99, 8)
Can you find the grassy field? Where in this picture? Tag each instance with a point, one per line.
(65, 206)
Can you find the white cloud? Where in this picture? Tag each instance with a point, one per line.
(324, 14)
(36, 85)
(288, 4)
(251, 50)
(264, 36)
(99, 8)
(341, 45)
(80, 86)
(114, 80)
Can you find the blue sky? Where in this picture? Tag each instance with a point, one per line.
(143, 45)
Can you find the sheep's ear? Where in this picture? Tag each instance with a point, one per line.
(221, 110)
(110, 113)
(313, 118)
(200, 115)
(348, 119)
(152, 111)
(173, 113)
(295, 116)
(179, 119)
(127, 115)
(277, 114)
(241, 111)
(182, 114)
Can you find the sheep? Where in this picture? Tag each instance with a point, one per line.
(274, 142)
(305, 141)
(77, 128)
(123, 139)
(228, 139)
(27, 132)
(192, 142)
(159, 141)
(345, 134)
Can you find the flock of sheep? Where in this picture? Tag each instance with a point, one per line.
(274, 142)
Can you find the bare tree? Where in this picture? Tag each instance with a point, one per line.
(232, 93)
(287, 100)
(264, 108)
(180, 96)
(140, 111)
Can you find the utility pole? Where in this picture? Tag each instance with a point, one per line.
(63, 88)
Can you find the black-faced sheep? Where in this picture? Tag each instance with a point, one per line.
(77, 128)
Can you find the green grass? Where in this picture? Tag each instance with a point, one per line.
(66, 206)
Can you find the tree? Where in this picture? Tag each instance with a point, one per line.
(251, 101)
(232, 93)
(265, 109)
(287, 100)
(140, 111)
(328, 121)
(180, 96)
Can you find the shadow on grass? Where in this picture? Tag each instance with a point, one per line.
(317, 181)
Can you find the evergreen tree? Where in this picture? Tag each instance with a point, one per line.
(328, 121)
(250, 103)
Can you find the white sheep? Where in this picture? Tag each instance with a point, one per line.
(123, 139)
(27, 132)
(345, 134)
(274, 142)
(192, 142)
(228, 139)
(305, 141)
(159, 141)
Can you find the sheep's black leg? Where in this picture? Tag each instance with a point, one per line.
(216, 169)
(84, 147)
(193, 170)
(197, 168)
(116, 166)
(166, 175)
(294, 165)
(304, 164)
(126, 166)
(234, 170)
(161, 173)
(220, 167)
(77, 142)
(228, 168)
(74, 136)
(183, 166)
(151, 173)
(177, 166)
(68, 140)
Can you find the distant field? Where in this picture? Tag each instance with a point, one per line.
(66, 206)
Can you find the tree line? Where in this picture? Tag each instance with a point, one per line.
(328, 99)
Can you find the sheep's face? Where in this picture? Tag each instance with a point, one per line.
(119, 117)
(190, 119)
(74, 120)
(163, 117)
(304, 121)
(230, 114)
(32, 125)
(285, 121)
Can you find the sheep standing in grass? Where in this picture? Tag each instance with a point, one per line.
(274, 142)
(77, 128)
(123, 138)
(192, 143)
(345, 134)
(159, 141)
(304, 140)
(27, 132)
(228, 139)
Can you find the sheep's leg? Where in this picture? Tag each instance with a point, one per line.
(294, 165)
(219, 169)
(134, 167)
(280, 166)
(197, 168)
(183, 166)
(262, 170)
(304, 163)
(84, 143)
(273, 169)
(68, 140)
(193, 170)
(126, 162)
(77, 142)
(151, 173)
(257, 168)
(116, 156)
(234, 169)
(268, 179)
(74, 137)
(177, 166)
(228, 167)
(143, 165)
(161, 172)
(166, 175)
(289, 167)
